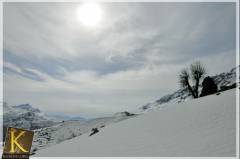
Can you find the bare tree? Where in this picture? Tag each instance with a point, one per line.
(184, 81)
(197, 73)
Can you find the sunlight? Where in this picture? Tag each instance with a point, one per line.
(89, 14)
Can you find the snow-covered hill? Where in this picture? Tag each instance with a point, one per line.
(69, 129)
(200, 127)
(51, 130)
(223, 79)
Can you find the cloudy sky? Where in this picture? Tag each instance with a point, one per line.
(131, 57)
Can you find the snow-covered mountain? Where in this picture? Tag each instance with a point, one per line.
(204, 127)
(25, 116)
(223, 79)
(27, 107)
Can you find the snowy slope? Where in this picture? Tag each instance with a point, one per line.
(69, 129)
(226, 79)
(51, 130)
(181, 95)
(201, 127)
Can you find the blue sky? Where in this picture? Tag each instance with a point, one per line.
(132, 57)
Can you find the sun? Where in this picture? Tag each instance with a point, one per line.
(90, 14)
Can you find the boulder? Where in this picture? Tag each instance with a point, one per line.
(208, 87)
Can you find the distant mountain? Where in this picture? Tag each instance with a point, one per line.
(223, 79)
(25, 116)
(27, 107)
(77, 118)
(63, 117)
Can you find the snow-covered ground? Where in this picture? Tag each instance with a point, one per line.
(200, 127)
(69, 129)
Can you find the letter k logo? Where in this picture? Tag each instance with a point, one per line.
(14, 141)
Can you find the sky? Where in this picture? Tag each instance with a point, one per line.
(131, 57)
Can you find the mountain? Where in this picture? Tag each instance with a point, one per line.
(63, 117)
(27, 107)
(201, 127)
(222, 80)
(24, 116)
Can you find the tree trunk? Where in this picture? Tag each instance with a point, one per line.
(191, 90)
(196, 88)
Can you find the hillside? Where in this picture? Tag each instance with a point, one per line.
(69, 129)
(51, 130)
(201, 127)
(222, 80)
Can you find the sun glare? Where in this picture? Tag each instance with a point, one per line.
(89, 14)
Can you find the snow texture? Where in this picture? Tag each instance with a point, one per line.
(69, 129)
(199, 127)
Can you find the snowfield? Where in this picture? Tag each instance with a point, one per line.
(69, 129)
(200, 127)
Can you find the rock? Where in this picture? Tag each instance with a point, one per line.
(94, 131)
(209, 86)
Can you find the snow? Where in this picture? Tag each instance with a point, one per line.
(199, 127)
(69, 129)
